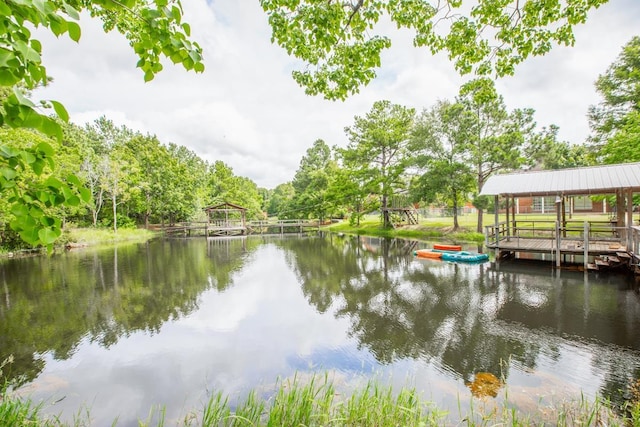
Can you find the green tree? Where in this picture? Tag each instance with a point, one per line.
(153, 28)
(348, 190)
(342, 43)
(119, 178)
(102, 136)
(615, 120)
(439, 141)
(378, 150)
(280, 199)
(35, 195)
(624, 145)
(311, 182)
(496, 137)
(547, 152)
(225, 186)
(190, 178)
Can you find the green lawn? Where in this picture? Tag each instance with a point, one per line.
(430, 228)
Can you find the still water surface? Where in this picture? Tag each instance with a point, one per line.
(169, 322)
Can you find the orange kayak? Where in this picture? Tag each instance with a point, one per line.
(447, 247)
(426, 253)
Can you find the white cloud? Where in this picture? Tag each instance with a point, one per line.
(248, 112)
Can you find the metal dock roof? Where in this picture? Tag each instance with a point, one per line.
(605, 179)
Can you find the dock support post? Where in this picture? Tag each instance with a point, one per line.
(585, 244)
(514, 201)
(496, 217)
(629, 218)
(558, 260)
(508, 222)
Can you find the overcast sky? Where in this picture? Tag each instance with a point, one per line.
(247, 111)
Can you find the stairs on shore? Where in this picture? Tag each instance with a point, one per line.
(603, 262)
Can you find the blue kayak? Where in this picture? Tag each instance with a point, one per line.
(463, 256)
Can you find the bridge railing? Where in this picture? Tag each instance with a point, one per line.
(283, 222)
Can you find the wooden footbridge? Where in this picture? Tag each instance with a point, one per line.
(228, 219)
(233, 228)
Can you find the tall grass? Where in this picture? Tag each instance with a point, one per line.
(95, 236)
(315, 402)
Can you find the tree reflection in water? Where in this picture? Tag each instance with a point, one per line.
(475, 322)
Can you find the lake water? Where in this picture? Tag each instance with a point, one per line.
(120, 330)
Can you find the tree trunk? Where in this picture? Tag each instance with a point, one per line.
(480, 210)
(385, 212)
(115, 218)
(480, 220)
(456, 225)
(147, 213)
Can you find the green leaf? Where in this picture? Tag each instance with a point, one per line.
(8, 152)
(30, 236)
(19, 210)
(8, 173)
(45, 149)
(6, 56)
(74, 180)
(30, 117)
(27, 157)
(48, 235)
(21, 99)
(73, 201)
(47, 221)
(74, 31)
(51, 128)
(85, 193)
(60, 110)
(38, 166)
(73, 13)
(36, 212)
(187, 29)
(8, 78)
(4, 9)
(53, 183)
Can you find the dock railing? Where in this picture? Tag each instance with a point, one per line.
(550, 229)
(570, 237)
(635, 243)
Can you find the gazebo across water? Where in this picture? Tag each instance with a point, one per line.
(226, 218)
(620, 238)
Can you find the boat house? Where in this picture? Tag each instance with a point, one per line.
(606, 240)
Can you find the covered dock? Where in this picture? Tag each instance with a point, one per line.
(615, 240)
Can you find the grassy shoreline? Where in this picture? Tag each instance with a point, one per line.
(74, 238)
(79, 237)
(441, 228)
(315, 402)
(427, 229)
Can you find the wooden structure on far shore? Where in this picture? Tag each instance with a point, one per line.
(203, 228)
(603, 242)
(226, 219)
(401, 212)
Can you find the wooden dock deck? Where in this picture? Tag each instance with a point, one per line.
(548, 245)
(599, 244)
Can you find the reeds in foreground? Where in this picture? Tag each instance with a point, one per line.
(314, 402)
